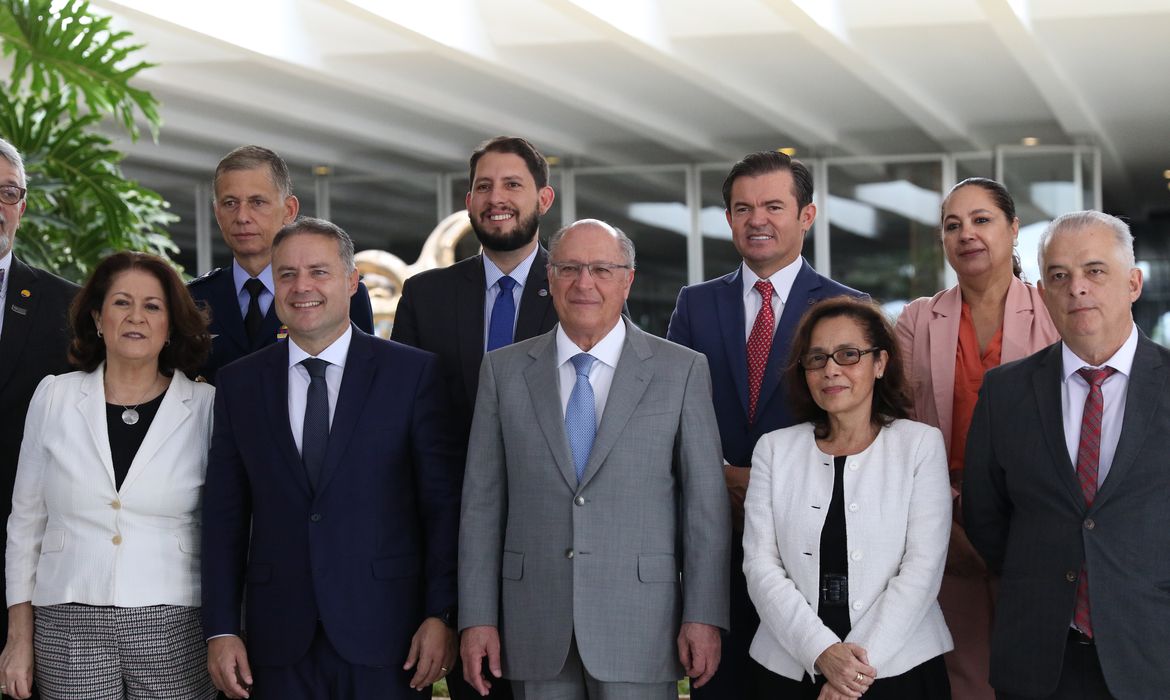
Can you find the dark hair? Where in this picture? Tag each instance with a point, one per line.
(189, 341)
(537, 165)
(319, 227)
(1002, 200)
(250, 158)
(891, 396)
(764, 162)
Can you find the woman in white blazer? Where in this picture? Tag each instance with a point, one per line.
(848, 516)
(102, 569)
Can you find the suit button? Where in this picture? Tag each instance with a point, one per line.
(117, 539)
(855, 555)
(579, 500)
(853, 507)
(854, 466)
(315, 517)
(1070, 576)
(568, 554)
(1089, 524)
(116, 505)
(857, 605)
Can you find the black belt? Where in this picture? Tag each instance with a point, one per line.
(1079, 637)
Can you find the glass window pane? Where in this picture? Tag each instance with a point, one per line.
(650, 207)
(884, 220)
(1043, 186)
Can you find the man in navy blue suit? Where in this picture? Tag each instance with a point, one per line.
(768, 201)
(332, 500)
(253, 199)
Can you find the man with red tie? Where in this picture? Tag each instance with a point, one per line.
(743, 322)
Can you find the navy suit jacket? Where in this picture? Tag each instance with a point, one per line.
(372, 551)
(216, 291)
(442, 311)
(709, 318)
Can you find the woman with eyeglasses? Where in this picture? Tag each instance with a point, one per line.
(846, 523)
(102, 569)
(948, 341)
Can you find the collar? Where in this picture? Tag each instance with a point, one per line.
(335, 354)
(1122, 360)
(6, 265)
(240, 276)
(609, 350)
(492, 274)
(781, 279)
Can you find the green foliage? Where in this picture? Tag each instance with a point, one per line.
(70, 71)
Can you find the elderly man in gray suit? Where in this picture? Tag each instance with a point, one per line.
(1066, 489)
(595, 535)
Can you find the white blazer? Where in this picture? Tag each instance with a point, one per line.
(897, 523)
(73, 537)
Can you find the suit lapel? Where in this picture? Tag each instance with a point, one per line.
(630, 379)
(172, 412)
(729, 308)
(93, 410)
(542, 381)
(535, 302)
(268, 328)
(19, 314)
(356, 383)
(1147, 386)
(1046, 387)
(799, 297)
(943, 334)
(468, 302)
(274, 395)
(222, 295)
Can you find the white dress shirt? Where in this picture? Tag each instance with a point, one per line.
(492, 275)
(6, 266)
(606, 352)
(781, 281)
(240, 276)
(298, 380)
(1074, 390)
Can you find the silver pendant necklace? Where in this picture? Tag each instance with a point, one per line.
(130, 414)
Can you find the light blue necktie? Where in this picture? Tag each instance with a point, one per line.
(503, 320)
(581, 414)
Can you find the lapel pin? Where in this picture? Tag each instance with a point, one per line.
(19, 310)
(282, 333)
(25, 293)
(542, 292)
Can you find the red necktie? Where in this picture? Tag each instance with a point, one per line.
(1088, 460)
(759, 346)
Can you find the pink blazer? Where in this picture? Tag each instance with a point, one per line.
(928, 337)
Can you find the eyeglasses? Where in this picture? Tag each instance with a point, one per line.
(11, 194)
(572, 270)
(843, 357)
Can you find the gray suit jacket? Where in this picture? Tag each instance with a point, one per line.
(620, 560)
(1026, 515)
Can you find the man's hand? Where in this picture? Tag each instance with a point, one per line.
(846, 667)
(699, 650)
(432, 653)
(736, 479)
(476, 643)
(227, 661)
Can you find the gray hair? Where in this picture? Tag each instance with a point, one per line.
(1080, 220)
(250, 158)
(319, 227)
(623, 240)
(9, 153)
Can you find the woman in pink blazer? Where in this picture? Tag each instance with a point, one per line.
(948, 342)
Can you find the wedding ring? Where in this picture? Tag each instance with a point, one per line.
(444, 669)
(859, 678)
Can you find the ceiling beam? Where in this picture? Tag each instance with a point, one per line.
(820, 23)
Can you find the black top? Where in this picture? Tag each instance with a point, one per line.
(126, 439)
(834, 604)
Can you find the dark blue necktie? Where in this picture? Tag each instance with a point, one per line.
(315, 434)
(253, 319)
(581, 414)
(503, 316)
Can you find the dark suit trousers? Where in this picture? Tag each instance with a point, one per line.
(733, 680)
(462, 690)
(1080, 676)
(321, 674)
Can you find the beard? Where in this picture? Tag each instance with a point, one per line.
(504, 242)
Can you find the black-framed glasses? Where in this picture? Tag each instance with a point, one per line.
(11, 194)
(842, 356)
(598, 270)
